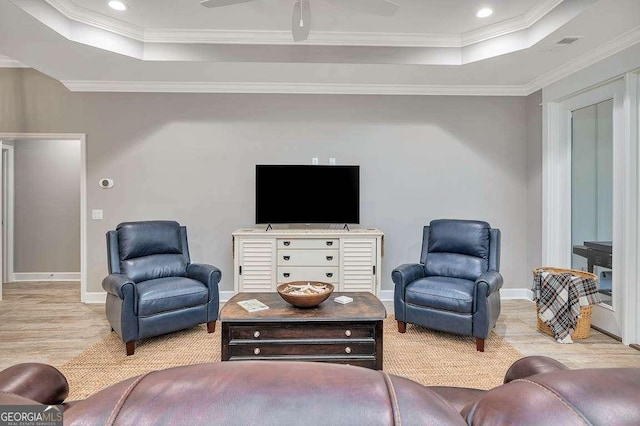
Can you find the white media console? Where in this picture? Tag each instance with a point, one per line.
(349, 259)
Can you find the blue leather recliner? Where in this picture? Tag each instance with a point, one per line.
(456, 286)
(152, 287)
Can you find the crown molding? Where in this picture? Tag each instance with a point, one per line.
(7, 62)
(321, 38)
(290, 88)
(610, 48)
(83, 15)
(518, 23)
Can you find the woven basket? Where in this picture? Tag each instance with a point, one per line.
(583, 325)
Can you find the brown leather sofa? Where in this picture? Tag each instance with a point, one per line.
(537, 391)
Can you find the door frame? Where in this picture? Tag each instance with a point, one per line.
(82, 137)
(8, 226)
(556, 190)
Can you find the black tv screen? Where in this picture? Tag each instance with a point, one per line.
(307, 194)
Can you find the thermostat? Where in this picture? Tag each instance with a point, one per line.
(105, 183)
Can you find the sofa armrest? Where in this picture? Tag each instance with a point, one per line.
(208, 275)
(531, 365)
(406, 273)
(492, 280)
(38, 382)
(118, 284)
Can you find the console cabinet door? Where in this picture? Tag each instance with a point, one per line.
(257, 265)
(358, 265)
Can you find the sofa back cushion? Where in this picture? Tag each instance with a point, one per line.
(458, 248)
(151, 249)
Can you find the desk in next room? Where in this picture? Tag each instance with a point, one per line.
(331, 332)
(597, 253)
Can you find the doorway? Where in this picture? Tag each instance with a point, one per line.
(592, 204)
(6, 247)
(565, 228)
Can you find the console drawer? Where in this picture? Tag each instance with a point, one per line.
(308, 243)
(308, 258)
(300, 331)
(274, 349)
(330, 274)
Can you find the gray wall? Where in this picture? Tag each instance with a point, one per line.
(47, 206)
(191, 157)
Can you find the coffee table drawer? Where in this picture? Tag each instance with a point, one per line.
(284, 348)
(301, 331)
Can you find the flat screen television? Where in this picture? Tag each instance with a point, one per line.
(307, 194)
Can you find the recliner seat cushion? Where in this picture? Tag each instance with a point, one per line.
(443, 293)
(458, 249)
(168, 294)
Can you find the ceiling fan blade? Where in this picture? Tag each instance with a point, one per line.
(372, 7)
(219, 3)
(301, 20)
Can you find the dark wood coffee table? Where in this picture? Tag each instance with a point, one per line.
(330, 332)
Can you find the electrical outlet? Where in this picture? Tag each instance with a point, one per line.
(314, 161)
(332, 161)
(96, 214)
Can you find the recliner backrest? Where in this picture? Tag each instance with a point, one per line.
(148, 250)
(458, 248)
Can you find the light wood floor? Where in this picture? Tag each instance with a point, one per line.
(45, 322)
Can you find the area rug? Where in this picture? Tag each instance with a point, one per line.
(426, 356)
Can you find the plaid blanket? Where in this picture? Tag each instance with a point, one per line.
(559, 297)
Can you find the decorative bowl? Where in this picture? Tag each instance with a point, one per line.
(285, 290)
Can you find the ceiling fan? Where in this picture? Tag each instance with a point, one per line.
(301, 18)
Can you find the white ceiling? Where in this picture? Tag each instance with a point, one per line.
(428, 47)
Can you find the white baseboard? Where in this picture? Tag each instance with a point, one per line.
(385, 295)
(94, 297)
(101, 296)
(46, 276)
(516, 293)
(505, 294)
(226, 295)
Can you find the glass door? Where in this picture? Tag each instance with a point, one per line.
(592, 202)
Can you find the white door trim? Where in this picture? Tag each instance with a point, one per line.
(83, 193)
(9, 224)
(556, 187)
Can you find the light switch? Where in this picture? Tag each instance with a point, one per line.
(96, 214)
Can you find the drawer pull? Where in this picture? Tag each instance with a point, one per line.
(329, 243)
(287, 243)
(286, 257)
(329, 274)
(286, 275)
(346, 333)
(329, 257)
(347, 350)
(256, 351)
(256, 334)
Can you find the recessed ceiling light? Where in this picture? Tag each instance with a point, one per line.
(483, 13)
(117, 5)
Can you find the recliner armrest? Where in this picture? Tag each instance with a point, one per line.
(531, 365)
(38, 382)
(118, 285)
(406, 273)
(492, 279)
(208, 275)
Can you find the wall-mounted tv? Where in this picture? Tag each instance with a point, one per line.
(307, 194)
